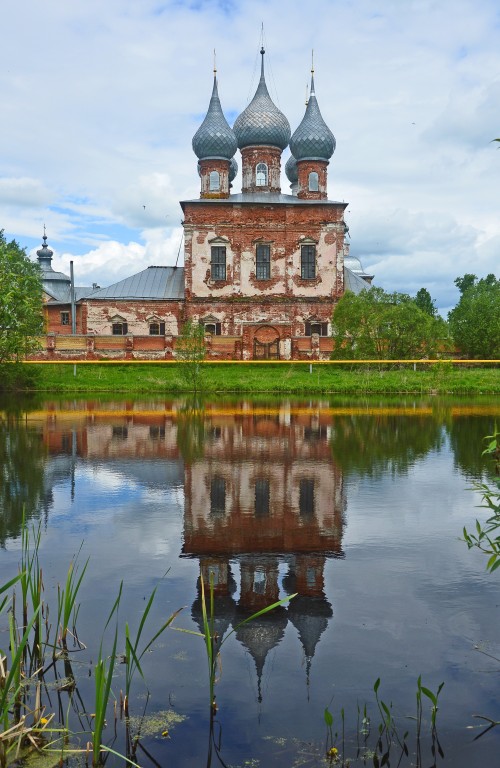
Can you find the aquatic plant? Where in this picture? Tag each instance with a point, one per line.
(213, 642)
(103, 674)
(486, 536)
(67, 608)
(132, 654)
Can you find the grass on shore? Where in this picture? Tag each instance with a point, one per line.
(441, 378)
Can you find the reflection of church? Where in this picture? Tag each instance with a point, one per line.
(267, 497)
(263, 500)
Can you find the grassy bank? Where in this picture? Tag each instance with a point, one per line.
(441, 378)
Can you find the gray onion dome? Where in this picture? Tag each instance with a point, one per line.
(313, 140)
(214, 138)
(291, 170)
(262, 122)
(233, 169)
(45, 253)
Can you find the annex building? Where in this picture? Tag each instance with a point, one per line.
(262, 269)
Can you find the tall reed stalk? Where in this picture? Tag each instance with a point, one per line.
(213, 643)
(103, 674)
(133, 655)
(66, 599)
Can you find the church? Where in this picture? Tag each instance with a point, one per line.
(262, 269)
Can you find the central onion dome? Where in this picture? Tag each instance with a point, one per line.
(262, 122)
(313, 140)
(214, 138)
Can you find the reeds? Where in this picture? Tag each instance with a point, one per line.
(213, 642)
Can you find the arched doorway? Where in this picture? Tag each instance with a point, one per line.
(266, 344)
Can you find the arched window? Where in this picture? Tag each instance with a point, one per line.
(261, 175)
(214, 181)
(313, 182)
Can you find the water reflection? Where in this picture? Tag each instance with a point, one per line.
(263, 492)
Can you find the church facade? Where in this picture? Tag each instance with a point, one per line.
(262, 269)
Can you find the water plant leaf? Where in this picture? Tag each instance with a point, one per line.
(376, 685)
(328, 717)
(429, 695)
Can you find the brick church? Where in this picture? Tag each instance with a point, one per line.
(262, 269)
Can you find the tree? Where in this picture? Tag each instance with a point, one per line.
(384, 326)
(424, 301)
(190, 351)
(21, 304)
(475, 321)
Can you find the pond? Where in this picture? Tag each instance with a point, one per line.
(356, 506)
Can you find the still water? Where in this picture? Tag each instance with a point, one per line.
(357, 506)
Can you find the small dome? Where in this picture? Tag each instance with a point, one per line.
(291, 170)
(214, 138)
(262, 122)
(45, 253)
(313, 140)
(233, 169)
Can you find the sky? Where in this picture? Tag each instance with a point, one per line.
(100, 101)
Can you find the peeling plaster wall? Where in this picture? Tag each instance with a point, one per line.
(240, 227)
(137, 314)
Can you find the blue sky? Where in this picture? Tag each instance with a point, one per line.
(100, 102)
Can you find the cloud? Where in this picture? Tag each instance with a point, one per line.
(100, 102)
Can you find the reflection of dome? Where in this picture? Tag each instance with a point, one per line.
(261, 635)
(313, 140)
(310, 617)
(224, 608)
(262, 122)
(224, 604)
(214, 138)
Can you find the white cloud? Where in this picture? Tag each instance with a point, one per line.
(100, 102)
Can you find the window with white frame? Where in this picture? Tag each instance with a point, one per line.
(313, 182)
(214, 181)
(261, 175)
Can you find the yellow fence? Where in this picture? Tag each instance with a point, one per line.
(122, 361)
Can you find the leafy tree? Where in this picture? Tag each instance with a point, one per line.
(378, 325)
(21, 305)
(190, 351)
(465, 282)
(424, 301)
(475, 321)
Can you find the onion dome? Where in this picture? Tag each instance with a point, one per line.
(233, 169)
(262, 122)
(214, 138)
(313, 140)
(291, 170)
(45, 253)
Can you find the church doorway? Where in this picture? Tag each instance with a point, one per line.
(266, 344)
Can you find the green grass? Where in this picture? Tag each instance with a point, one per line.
(440, 378)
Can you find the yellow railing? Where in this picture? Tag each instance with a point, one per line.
(122, 361)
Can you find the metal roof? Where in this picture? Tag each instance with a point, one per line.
(151, 283)
(262, 198)
(353, 282)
